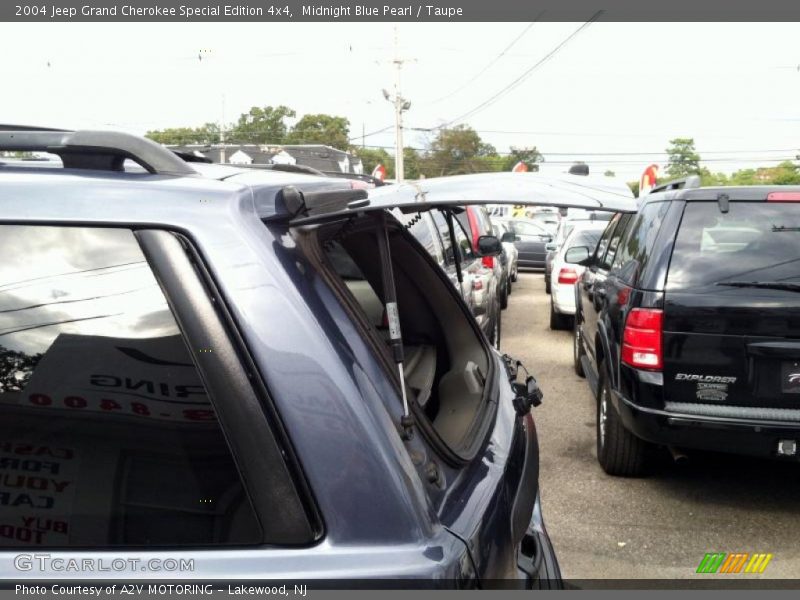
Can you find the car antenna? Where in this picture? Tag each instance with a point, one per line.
(393, 316)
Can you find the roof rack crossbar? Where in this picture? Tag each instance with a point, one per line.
(104, 150)
(686, 183)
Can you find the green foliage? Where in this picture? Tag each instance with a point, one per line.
(529, 156)
(16, 369)
(412, 163)
(372, 157)
(460, 150)
(321, 129)
(261, 126)
(610, 173)
(786, 173)
(453, 151)
(683, 159)
(207, 134)
(634, 185)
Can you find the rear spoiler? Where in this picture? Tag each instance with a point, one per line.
(307, 205)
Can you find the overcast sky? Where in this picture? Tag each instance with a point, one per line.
(615, 88)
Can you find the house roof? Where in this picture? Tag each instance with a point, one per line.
(317, 156)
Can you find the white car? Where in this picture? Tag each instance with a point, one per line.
(565, 274)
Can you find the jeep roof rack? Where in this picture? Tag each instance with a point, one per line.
(687, 183)
(102, 150)
(7, 127)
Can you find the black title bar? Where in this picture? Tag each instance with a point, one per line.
(398, 10)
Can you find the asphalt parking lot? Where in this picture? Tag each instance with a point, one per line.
(658, 527)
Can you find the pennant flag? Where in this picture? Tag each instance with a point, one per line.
(648, 180)
(379, 172)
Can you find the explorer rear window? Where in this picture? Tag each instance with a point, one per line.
(755, 242)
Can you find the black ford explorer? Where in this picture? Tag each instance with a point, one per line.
(688, 325)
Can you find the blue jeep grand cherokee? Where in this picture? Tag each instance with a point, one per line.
(215, 373)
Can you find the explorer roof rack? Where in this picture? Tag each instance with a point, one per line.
(687, 183)
(103, 150)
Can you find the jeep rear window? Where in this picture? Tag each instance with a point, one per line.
(446, 365)
(753, 242)
(108, 437)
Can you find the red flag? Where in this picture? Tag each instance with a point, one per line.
(648, 180)
(520, 167)
(379, 172)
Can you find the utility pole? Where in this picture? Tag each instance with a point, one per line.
(222, 133)
(206, 54)
(400, 106)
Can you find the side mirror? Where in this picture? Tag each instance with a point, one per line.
(489, 245)
(550, 247)
(508, 238)
(577, 254)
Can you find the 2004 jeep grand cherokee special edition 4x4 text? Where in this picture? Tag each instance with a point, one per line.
(263, 372)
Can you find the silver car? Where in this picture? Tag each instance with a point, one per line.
(509, 249)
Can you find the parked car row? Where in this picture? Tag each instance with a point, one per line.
(478, 284)
(253, 368)
(487, 281)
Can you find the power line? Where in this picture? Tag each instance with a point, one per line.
(501, 157)
(491, 63)
(582, 153)
(255, 135)
(509, 87)
(525, 75)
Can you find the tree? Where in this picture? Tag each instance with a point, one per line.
(683, 159)
(412, 163)
(786, 173)
(262, 126)
(321, 129)
(634, 185)
(16, 369)
(460, 150)
(180, 136)
(610, 173)
(372, 157)
(529, 156)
